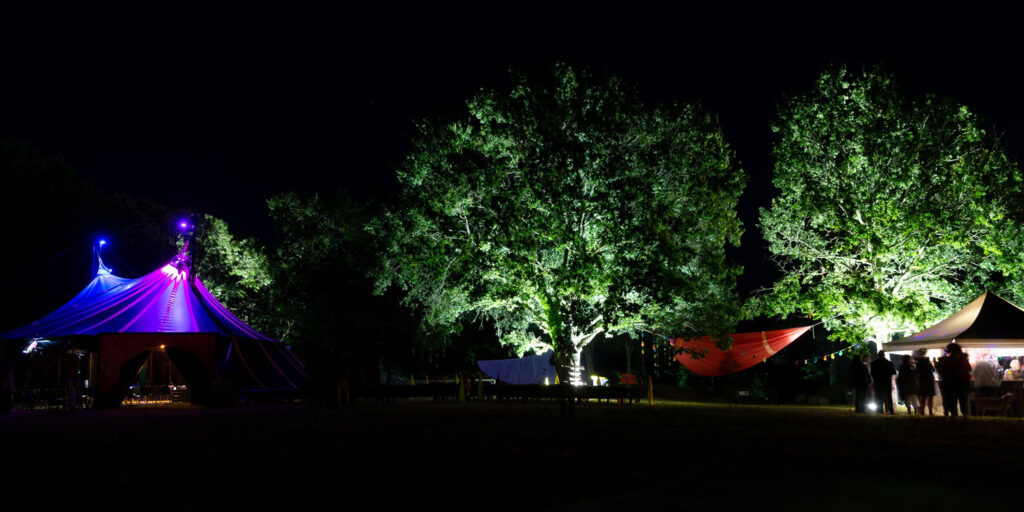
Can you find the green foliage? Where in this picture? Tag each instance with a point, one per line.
(685, 377)
(562, 209)
(322, 261)
(813, 372)
(758, 386)
(236, 271)
(892, 212)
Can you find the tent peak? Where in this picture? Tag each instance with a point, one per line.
(987, 321)
(182, 261)
(101, 268)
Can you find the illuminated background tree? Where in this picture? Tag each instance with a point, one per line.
(565, 209)
(236, 271)
(893, 211)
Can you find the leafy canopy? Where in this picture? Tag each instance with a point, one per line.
(236, 271)
(321, 267)
(893, 211)
(563, 209)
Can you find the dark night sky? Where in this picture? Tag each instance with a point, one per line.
(218, 108)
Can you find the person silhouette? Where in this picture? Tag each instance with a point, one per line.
(882, 372)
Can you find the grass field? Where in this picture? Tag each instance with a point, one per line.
(420, 456)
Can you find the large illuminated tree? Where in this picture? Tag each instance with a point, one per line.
(893, 211)
(564, 209)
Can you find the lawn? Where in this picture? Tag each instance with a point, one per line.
(421, 455)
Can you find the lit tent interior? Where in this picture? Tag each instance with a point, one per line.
(121, 320)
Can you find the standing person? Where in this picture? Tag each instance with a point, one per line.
(882, 372)
(955, 372)
(925, 383)
(940, 369)
(1014, 373)
(906, 383)
(986, 378)
(860, 379)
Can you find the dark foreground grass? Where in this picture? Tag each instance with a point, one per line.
(420, 456)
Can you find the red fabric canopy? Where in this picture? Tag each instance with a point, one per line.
(748, 349)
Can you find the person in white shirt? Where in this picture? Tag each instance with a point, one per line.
(1014, 373)
(986, 377)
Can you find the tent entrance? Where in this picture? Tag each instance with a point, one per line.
(158, 380)
(143, 369)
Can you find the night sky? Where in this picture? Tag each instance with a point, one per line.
(218, 108)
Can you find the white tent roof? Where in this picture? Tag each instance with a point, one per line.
(987, 322)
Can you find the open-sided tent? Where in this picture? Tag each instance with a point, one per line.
(532, 369)
(170, 309)
(987, 322)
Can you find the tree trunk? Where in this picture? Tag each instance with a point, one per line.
(565, 357)
(567, 343)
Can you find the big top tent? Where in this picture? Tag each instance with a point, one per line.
(170, 309)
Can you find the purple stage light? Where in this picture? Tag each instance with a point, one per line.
(103, 242)
(183, 225)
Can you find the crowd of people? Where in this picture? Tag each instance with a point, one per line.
(917, 378)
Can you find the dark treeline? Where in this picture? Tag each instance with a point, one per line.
(53, 220)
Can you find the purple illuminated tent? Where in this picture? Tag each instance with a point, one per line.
(123, 319)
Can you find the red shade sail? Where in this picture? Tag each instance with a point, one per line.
(748, 349)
